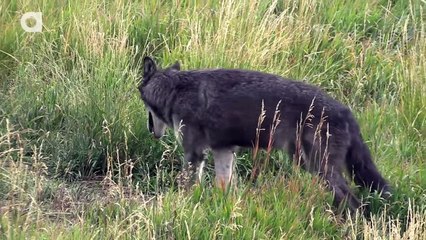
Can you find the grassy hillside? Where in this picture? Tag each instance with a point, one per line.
(76, 159)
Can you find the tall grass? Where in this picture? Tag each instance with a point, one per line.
(77, 162)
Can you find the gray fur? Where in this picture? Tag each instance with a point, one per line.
(219, 109)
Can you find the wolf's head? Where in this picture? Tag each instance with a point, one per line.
(154, 92)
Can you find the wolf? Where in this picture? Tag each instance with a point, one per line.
(224, 109)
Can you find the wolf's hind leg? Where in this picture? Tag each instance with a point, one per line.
(343, 195)
(326, 158)
(223, 160)
(362, 168)
(298, 157)
(331, 171)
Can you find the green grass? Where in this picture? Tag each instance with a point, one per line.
(76, 159)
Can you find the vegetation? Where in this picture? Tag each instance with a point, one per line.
(76, 159)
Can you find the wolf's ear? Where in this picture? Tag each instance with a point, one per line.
(149, 67)
(175, 66)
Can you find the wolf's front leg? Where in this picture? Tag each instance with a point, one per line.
(194, 169)
(223, 160)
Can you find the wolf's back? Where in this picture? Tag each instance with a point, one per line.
(231, 101)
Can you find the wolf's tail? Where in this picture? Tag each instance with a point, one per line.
(361, 165)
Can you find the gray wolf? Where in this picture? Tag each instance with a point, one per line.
(220, 109)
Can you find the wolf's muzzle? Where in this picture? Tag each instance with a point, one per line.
(150, 123)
